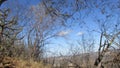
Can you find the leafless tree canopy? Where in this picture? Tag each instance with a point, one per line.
(28, 28)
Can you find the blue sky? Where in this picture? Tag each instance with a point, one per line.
(82, 24)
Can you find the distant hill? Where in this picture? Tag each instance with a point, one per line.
(110, 57)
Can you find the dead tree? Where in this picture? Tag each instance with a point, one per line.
(9, 31)
(103, 48)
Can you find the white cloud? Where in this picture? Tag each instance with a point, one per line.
(80, 33)
(63, 33)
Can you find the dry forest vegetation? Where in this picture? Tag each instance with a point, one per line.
(32, 31)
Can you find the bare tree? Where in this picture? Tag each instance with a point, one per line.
(43, 28)
(9, 30)
(105, 46)
(109, 32)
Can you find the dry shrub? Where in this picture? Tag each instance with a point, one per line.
(8, 62)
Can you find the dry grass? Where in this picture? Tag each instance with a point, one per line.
(18, 63)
